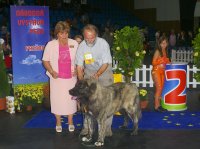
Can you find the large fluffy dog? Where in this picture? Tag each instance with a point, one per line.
(103, 102)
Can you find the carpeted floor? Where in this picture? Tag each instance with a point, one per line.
(150, 120)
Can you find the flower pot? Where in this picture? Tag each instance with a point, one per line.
(19, 108)
(144, 104)
(2, 103)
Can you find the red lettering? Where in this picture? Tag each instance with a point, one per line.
(30, 22)
(30, 12)
(37, 31)
(34, 47)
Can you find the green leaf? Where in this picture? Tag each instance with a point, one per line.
(196, 46)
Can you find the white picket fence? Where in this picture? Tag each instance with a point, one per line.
(182, 54)
(143, 77)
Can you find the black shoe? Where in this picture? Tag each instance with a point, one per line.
(161, 109)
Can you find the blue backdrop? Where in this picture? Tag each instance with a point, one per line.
(29, 35)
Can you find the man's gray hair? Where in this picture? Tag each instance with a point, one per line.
(91, 27)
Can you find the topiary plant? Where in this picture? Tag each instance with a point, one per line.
(196, 46)
(128, 51)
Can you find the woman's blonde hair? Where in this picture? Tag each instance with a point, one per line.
(61, 26)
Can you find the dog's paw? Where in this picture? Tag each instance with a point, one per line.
(88, 144)
(109, 134)
(98, 143)
(134, 133)
(84, 132)
(123, 127)
(86, 139)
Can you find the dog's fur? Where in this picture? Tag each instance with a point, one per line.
(102, 102)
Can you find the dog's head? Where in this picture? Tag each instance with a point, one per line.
(84, 88)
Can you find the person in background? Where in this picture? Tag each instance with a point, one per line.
(172, 42)
(93, 60)
(58, 59)
(78, 38)
(172, 39)
(181, 39)
(189, 39)
(108, 36)
(159, 62)
(157, 36)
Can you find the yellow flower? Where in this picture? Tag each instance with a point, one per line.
(196, 54)
(29, 94)
(143, 92)
(137, 53)
(117, 48)
(130, 73)
(143, 52)
(16, 103)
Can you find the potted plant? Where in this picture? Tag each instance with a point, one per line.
(4, 85)
(27, 96)
(143, 98)
(128, 51)
(196, 47)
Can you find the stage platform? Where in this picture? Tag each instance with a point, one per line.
(14, 135)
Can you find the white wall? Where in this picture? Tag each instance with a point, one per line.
(166, 10)
(197, 10)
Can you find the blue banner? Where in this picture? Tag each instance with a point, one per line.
(29, 35)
